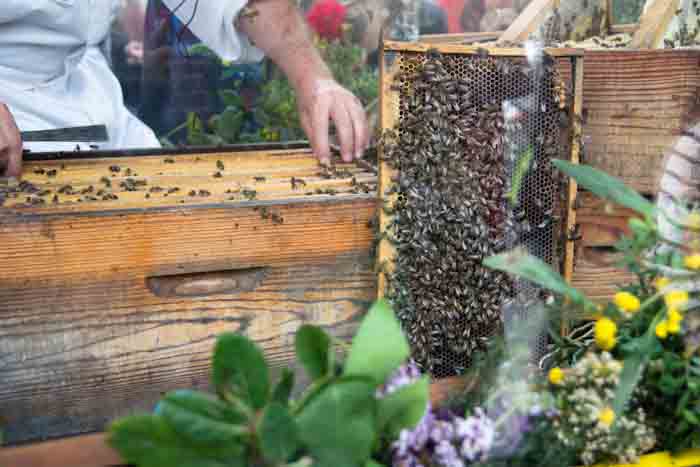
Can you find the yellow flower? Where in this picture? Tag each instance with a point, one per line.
(606, 416)
(674, 327)
(627, 302)
(674, 316)
(605, 333)
(693, 220)
(661, 283)
(556, 376)
(692, 262)
(676, 298)
(662, 330)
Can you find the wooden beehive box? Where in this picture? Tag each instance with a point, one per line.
(110, 296)
(636, 104)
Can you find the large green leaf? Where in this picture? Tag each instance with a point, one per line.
(519, 175)
(240, 368)
(379, 347)
(148, 441)
(404, 408)
(285, 385)
(313, 347)
(638, 352)
(231, 98)
(607, 187)
(279, 437)
(229, 123)
(338, 425)
(522, 264)
(202, 418)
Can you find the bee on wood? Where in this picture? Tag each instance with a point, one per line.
(204, 193)
(168, 160)
(220, 165)
(218, 175)
(259, 179)
(107, 182)
(296, 182)
(115, 169)
(250, 195)
(51, 173)
(574, 234)
(39, 171)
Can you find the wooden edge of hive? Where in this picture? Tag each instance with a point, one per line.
(461, 49)
(79, 451)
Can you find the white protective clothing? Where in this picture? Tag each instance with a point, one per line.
(54, 73)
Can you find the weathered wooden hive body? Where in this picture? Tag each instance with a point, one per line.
(636, 102)
(117, 273)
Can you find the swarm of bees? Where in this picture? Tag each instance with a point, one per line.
(457, 155)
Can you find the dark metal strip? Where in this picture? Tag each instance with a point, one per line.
(78, 134)
(63, 155)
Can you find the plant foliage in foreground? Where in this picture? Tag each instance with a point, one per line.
(339, 420)
(645, 340)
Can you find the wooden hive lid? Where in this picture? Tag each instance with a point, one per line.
(176, 179)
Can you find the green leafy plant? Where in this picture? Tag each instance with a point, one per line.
(641, 327)
(337, 421)
(275, 110)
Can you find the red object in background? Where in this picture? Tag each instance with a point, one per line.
(454, 9)
(326, 19)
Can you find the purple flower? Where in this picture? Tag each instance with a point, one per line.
(535, 411)
(477, 435)
(409, 460)
(442, 431)
(403, 445)
(415, 440)
(446, 455)
(405, 375)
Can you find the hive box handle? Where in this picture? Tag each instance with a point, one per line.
(207, 283)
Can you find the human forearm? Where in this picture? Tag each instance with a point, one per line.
(10, 144)
(277, 28)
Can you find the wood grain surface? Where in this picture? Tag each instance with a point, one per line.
(86, 336)
(654, 23)
(635, 105)
(529, 20)
(602, 225)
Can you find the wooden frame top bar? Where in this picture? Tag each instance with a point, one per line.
(468, 49)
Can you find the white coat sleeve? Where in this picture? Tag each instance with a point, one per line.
(212, 21)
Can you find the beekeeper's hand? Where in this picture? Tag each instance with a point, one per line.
(10, 144)
(324, 101)
(277, 28)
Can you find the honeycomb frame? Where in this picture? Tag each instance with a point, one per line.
(569, 66)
